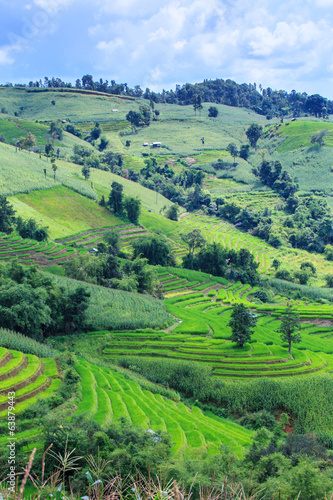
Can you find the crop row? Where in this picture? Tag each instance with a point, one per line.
(108, 396)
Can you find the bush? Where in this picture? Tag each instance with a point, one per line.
(329, 280)
(283, 274)
(261, 295)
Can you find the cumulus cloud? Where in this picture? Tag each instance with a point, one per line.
(283, 44)
(5, 57)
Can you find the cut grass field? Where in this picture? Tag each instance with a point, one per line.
(63, 211)
(107, 396)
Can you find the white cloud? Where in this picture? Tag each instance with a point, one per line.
(156, 43)
(5, 57)
(111, 46)
(263, 42)
(324, 3)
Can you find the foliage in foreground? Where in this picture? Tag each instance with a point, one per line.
(275, 467)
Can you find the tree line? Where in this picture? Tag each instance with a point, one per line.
(265, 101)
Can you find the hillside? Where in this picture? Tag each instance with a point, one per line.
(156, 378)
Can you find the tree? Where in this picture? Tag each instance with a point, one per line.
(253, 133)
(145, 114)
(103, 144)
(193, 239)
(133, 208)
(30, 229)
(318, 138)
(244, 151)
(329, 280)
(213, 112)
(156, 249)
(315, 104)
(115, 201)
(290, 326)
(30, 141)
(242, 323)
(145, 274)
(88, 82)
(7, 215)
(134, 118)
(24, 309)
(86, 172)
(48, 149)
(172, 212)
(56, 131)
(54, 167)
(233, 150)
(197, 106)
(74, 309)
(95, 132)
(27, 142)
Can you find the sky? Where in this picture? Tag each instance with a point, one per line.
(160, 43)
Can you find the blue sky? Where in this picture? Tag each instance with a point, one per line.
(159, 43)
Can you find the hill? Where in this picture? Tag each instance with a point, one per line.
(169, 364)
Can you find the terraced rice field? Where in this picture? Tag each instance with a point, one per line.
(202, 333)
(215, 230)
(31, 379)
(33, 252)
(128, 233)
(26, 375)
(108, 396)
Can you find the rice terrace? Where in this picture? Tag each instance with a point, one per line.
(166, 291)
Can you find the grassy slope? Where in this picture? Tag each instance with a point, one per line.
(108, 395)
(76, 108)
(115, 309)
(63, 211)
(291, 144)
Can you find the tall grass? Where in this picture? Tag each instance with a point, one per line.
(19, 342)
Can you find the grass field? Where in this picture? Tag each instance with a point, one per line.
(298, 134)
(63, 211)
(177, 127)
(115, 309)
(107, 396)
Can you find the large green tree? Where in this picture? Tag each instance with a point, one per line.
(253, 133)
(115, 201)
(134, 118)
(7, 215)
(156, 249)
(242, 323)
(193, 239)
(290, 327)
(233, 150)
(133, 209)
(73, 310)
(24, 309)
